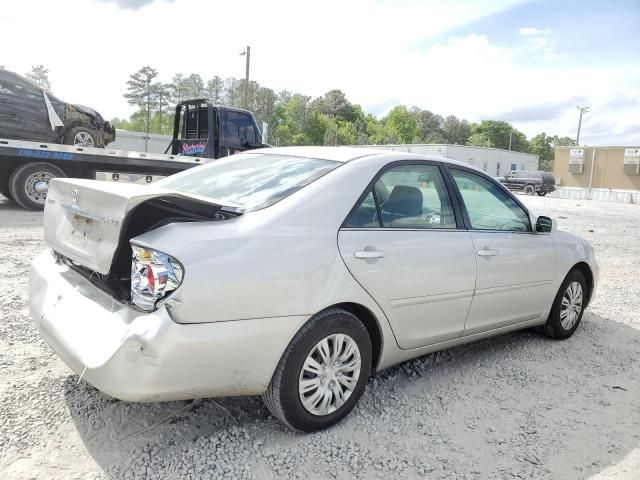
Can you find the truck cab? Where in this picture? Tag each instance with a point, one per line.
(202, 129)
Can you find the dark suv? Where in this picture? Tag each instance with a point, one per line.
(529, 182)
(27, 112)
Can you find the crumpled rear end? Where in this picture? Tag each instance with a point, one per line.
(138, 356)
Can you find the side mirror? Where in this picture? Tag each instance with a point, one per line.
(545, 224)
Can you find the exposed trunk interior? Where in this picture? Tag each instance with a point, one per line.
(149, 215)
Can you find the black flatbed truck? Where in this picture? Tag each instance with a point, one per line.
(202, 132)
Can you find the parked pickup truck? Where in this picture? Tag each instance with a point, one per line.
(529, 182)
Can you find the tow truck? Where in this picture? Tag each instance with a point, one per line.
(202, 132)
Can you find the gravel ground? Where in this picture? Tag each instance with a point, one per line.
(516, 406)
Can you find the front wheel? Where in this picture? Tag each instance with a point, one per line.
(542, 194)
(322, 373)
(568, 307)
(529, 189)
(80, 137)
(29, 184)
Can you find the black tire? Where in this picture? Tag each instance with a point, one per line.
(282, 397)
(542, 194)
(553, 328)
(72, 137)
(22, 184)
(529, 189)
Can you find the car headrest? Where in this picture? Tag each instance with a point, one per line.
(404, 200)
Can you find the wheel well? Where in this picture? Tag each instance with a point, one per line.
(370, 322)
(7, 168)
(588, 276)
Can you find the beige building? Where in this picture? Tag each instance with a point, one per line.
(611, 168)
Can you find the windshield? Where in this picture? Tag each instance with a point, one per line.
(250, 181)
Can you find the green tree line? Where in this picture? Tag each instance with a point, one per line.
(297, 119)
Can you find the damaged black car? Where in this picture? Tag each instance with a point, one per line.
(27, 112)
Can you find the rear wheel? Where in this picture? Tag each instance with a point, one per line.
(568, 307)
(542, 194)
(29, 184)
(322, 373)
(529, 189)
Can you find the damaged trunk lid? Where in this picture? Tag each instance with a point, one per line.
(90, 222)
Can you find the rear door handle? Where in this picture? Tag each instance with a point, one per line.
(364, 254)
(488, 252)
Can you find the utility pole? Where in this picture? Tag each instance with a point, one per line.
(246, 52)
(583, 110)
(146, 138)
(510, 137)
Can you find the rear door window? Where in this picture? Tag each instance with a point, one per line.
(407, 196)
(366, 215)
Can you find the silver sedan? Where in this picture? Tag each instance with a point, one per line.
(294, 273)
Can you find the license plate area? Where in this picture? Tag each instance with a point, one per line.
(81, 228)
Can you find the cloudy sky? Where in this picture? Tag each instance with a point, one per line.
(526, 62)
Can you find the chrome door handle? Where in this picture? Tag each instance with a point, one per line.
(364, 254)
(488, 252)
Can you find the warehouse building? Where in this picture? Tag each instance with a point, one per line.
(601, 173)
(495, 161)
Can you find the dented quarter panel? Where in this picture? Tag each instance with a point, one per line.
(138, 356)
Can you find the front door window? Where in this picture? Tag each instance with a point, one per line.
(489, 207)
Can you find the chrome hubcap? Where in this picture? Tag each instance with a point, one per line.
(83, 139)
(571, 305)
(37, 185)
(329, 374)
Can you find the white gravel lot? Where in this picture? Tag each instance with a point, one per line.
(516, 406)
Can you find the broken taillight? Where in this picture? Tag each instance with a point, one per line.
(154, 275)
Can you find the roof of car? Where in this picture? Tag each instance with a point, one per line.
(347, 154)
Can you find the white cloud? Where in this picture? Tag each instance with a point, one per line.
(550, 54)
(367, 48)
(472, 78)
(541, 43)
(131, 4)
(533, 32)
(304, 47)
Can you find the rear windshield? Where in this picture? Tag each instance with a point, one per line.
(250, 181)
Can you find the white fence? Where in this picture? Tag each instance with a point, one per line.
(602, 194)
